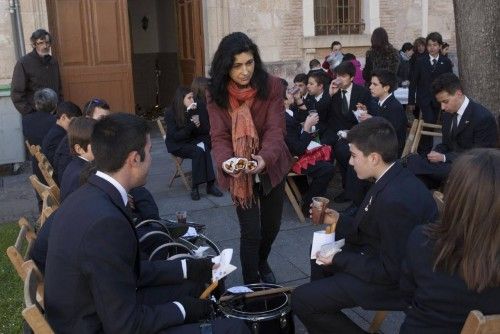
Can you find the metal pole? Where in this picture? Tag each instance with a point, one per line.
(17, 28)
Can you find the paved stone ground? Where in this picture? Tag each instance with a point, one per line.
(289, 256)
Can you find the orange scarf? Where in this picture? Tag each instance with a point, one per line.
(245, 140)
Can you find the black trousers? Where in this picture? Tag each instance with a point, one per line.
(432, 174)
(321, 174)
(259, 226)
(318, 304)
(201, 162)
(162, 294)
(342, 154)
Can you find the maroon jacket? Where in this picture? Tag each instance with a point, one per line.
(269, 119)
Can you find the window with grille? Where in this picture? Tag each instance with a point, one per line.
(338, 17)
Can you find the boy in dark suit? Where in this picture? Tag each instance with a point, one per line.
(466, 125)
(338, 113)
(426, 70)
(366, 272)
(65, 112)
(79, 134)
(94, 279)
(298, 139)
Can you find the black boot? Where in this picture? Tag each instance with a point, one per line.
(266, 274)
(195, 194)
(213, 190)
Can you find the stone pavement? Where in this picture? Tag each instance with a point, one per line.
(289, 257)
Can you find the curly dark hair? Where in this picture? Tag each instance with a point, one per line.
(230, 46)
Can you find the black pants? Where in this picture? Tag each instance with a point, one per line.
(318, 304)
(432, 174)
(201, 160)
(342, 154)
(321, 174)
(259, 226)
(162, 294)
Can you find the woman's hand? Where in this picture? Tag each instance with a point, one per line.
(261, 164)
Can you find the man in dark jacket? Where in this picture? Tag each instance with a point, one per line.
(366, 272)
(466, 125)
(94, 279)
(36, 70)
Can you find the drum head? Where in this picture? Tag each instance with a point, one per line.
(257, 308)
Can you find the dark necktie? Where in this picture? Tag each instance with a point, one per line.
(345, 107)
(434, 62)
(454, 124)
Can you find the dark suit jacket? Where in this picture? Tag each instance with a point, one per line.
(439, 301)
(62, 158)
(376, 237)
(331, 119)
(422, 78)
(393, 111)
(145, 204)
(93, 270)
(52, 140)
(71, 177)
(477, 128)
(188, 134)
(36, 125)
(296, 140)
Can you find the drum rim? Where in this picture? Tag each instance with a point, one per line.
(278, 312)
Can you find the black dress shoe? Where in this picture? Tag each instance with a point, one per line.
(213, 190)
(340, 198)
(266, 274)
(195, 194)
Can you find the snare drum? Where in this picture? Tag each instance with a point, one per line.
(269, 314)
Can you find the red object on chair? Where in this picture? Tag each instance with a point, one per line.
(309, 158)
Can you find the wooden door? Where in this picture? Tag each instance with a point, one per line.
(92, 45)
(190, 39)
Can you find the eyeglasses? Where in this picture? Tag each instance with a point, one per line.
(40, 43)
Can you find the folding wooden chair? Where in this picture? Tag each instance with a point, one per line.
(177, 160)
(294, 196)
(33, 299)
(32, 149)
(423, 130)
(41, 188)
(47, 170)
(23, 245)
(477, 323)
(377, 321)
(410, 138)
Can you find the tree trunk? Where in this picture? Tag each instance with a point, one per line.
(478, 47)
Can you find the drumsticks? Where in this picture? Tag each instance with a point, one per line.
(208, 291)
(258, 293)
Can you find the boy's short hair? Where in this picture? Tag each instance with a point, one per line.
(435, 37)
(314, 63)
(301, 77)
(319, 78)
(446, 82)
(69, 109)
(375, 135)
(386, 78)
(345, 67)
(80, 132)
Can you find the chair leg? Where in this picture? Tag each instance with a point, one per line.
(176, 174)
(294, 203)
(377, 321)
(294, 188)
(184, 179)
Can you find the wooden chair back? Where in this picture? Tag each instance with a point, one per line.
(179, 172)
(41, 189)
(18, 253)
(477, 323)
(32, 149)
(410, 138)
(33, 313)
(425, 129)
(46, 169)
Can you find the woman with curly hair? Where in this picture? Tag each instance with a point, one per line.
(247, 120)
(381, 55)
